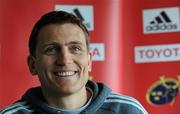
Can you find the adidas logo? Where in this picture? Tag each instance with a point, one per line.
(80, 11)
(161, 20)
(163, 17)
(78, 14)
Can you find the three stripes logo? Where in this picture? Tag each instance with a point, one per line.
(161, 20)
(84, 12)
(78, 14)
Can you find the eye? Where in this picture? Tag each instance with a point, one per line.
(76, 49)
(51, 50)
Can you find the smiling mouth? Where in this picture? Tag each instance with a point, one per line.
(65, 73)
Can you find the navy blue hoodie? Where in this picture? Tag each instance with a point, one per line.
(102, 102)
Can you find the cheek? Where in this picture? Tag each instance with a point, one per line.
(83, 61)
(45, 62)
(85, 65)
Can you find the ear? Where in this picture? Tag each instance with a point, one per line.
(90, 61)
(31, 64)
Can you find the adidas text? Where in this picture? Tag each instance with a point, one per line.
(161, 27)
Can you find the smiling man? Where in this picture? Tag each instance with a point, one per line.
(59, 56)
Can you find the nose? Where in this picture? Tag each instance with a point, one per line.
(64, 57)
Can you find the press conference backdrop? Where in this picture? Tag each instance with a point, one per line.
(135, 47)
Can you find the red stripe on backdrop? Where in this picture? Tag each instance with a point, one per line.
(17, 19)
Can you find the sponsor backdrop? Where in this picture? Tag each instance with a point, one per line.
(135, 47)
(151, 54)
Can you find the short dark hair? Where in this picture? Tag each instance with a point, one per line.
(54, 17)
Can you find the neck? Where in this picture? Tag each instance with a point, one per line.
(70, 101)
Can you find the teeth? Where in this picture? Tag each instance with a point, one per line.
(64, 73)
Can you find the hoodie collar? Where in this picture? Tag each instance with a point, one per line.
(35, 97)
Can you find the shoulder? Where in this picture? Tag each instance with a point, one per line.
(125, 102)
(21, 107)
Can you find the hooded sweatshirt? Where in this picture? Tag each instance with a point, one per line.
(103, 101)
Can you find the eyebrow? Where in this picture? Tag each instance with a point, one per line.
(75, 42)
(71, 42)
(50, 43)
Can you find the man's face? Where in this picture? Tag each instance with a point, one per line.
(62, 60)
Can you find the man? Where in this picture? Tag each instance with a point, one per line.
(59, 55)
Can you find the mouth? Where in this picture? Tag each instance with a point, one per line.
(65, 73)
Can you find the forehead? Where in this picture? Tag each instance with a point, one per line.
(61, 33)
